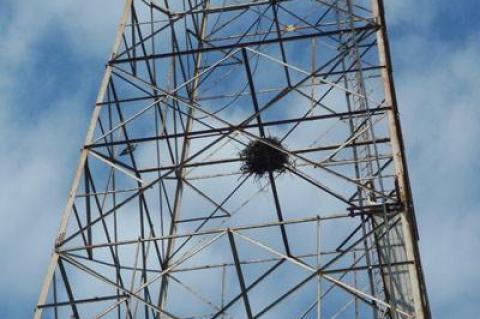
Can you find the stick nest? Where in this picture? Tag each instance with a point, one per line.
(260, 158)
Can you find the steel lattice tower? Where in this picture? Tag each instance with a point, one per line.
(164, 221)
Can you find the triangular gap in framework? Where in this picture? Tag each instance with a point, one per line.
(97, 202)
(205, 208)
(127, 103)
(75, 301)
(193, 279)
(287, 280)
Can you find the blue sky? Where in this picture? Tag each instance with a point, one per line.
(51, 60)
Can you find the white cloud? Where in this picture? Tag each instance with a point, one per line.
(36, 172)
(39, 152)
(438, 96)
(418, 13)
(87, 24)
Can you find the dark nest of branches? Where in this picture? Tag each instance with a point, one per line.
(260, 158)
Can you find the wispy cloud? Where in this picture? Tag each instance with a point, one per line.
(42, 127)
(437, 83)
